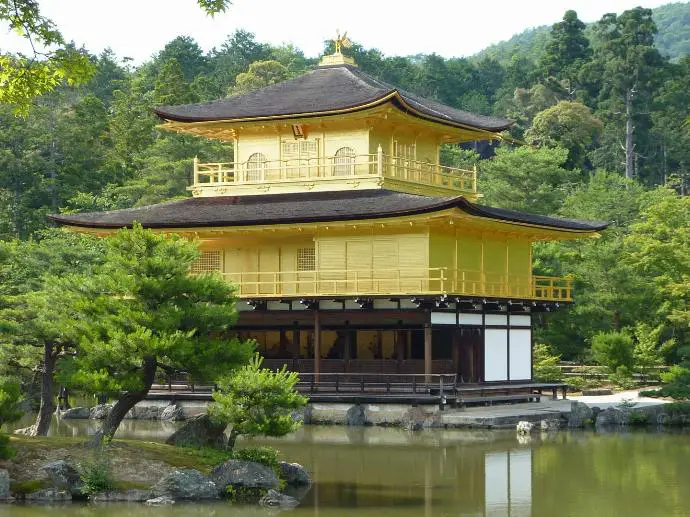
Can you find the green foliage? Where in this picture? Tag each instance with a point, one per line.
(568, 49)
(259, 74)
(10, 398)
(142, 303)
(258, 401)
(579, 383)
(267, 456)
(613, 350)
(244, 495)
(532, 180)
(569, 125)
(96, 474)
(623, 378)
(545, 364)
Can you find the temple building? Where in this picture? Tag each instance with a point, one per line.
(352, 248)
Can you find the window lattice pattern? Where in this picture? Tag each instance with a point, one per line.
(207, 262)
(306, 259)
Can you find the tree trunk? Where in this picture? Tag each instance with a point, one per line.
(45, 412)
(629, 130)
(126, 402)
(232, 439)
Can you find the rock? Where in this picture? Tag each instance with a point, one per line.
(414, 419)
(100, 412)
(550, 425)
(663, 419)
(173, 413)
(49, 495)
(274, 499)
(140, 412)
(524, 427)
(246, 474)
(185, 484)
(159, 501)
(294, 474)
(63, 476)
(127, 496)
(75, 413)
(4, 484)
(580, 414)
(355, 415)
(199, 431)
(612, 416)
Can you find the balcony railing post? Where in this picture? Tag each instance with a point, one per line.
(196, 170)
(379, 161)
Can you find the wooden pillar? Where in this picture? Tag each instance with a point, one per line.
(456, 350)
(317, 345)
(427, 352)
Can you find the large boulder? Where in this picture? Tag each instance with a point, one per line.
(294, 474)
(100, 412)
(63, 476)
(612, 417)
(580, 414)
(49, 495)
(356, 416)
(200, 431)
(4, 484)
(244, 474)
(173, 413)
(187, 484)
(145, 412)
(125, 496)
(274, 499)
(75, 413)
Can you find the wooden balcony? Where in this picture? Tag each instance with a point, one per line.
(399, 282)
(332, 173)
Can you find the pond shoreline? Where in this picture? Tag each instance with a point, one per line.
(567, 413)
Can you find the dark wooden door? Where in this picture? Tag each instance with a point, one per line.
(470, 354)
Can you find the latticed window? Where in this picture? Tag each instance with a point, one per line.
(255, 166)
(210, 260)
(306, 259)
(344, 162)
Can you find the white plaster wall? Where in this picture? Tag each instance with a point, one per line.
(520, 354)
(495, 355)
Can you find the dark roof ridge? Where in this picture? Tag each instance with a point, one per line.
(305, 208)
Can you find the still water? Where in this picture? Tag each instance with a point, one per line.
(379, 472)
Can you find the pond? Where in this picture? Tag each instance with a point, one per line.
(367, 472)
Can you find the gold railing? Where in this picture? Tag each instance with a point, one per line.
(333, 168)
(403, 282)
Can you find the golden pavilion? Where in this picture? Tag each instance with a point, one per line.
(352, 248)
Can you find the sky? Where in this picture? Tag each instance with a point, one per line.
(451, 28)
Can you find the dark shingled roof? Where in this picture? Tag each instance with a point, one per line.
(320, 91)
(302, 208)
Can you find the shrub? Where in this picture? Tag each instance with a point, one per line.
(623, 378)
(96, 473)
(676, 391)
(257, 401)
(579, 383)
(267, 456)
(674, 374)
(613, 350)
(546, 364)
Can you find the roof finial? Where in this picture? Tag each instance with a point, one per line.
(337, 58)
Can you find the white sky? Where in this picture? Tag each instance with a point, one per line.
(140, 28)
